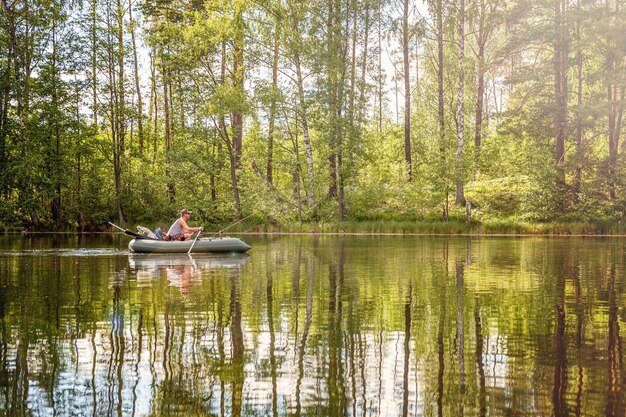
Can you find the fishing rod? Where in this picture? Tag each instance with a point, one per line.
(231, 225)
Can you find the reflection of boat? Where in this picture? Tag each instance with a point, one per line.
(181, 270)
(156, 261)
(218, 245)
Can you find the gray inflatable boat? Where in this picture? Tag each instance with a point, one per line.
(206, 245)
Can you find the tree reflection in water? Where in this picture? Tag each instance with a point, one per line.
(317, 326)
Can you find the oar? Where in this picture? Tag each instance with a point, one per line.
(130, 233)
(194, 242)
(117, 227)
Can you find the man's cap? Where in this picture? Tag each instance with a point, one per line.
(185, 211)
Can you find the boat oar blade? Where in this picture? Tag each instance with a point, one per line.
(134, 234)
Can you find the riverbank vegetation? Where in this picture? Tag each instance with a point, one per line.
(356, 115)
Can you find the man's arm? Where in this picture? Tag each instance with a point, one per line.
(184, 225)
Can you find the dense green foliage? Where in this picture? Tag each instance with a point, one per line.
(289, 111)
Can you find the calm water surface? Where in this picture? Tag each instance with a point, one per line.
(328, 326)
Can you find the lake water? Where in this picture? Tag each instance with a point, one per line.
(325, 326)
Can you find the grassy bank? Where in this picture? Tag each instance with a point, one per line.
(499, 227)
(387, 226)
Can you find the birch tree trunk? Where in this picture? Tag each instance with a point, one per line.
(440, 113)
(480, 78)
(460, 126)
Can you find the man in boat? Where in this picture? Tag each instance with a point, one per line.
(179, 230)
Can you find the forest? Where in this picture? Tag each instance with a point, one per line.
(337, 114)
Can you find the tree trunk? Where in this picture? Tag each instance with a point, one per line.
(442, 132)
(94, 61)
(407, 90)
(56, 159)
(615, 99)
(137, 86)
(332, 165)
(120, 108)
(305, 132)
(214, 156)
(238, 78)
(440, 98)
(5, 82)
(296, 172)
(296, 191)
(480, 79)
(352, 103)
(232, 152)
(79, 173)
(272, 115)
(230, 145)
(579, 101)
(332, 100)
(363, 84)
(460, 126)
(154, 102)
(171, 191)
(560, 84)
(380, 69)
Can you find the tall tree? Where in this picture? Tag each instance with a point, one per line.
(440, 94)
(331, 30)
(560, 60)
(167, 129)
(480, 74)
(615, 85)
(407, 88)
(295, 47)
(460, 109)
(238, 77)
(93, 29)
(55, 122)
(117, 97)
(364, 62)
(487, 17)
(336, 73)
(131, 29)
(579, 102)
(273, 99)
